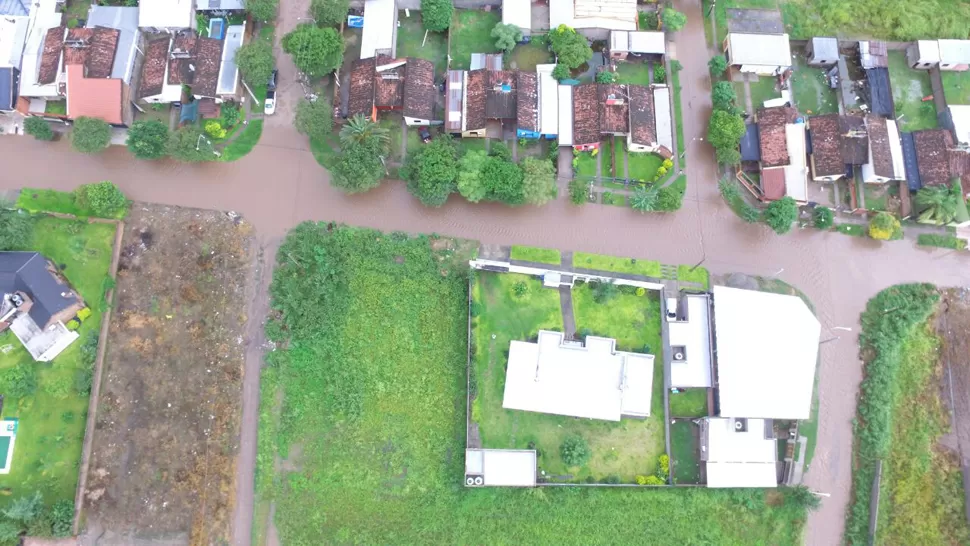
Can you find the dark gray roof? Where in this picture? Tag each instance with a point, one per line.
(880, 92)
(909, 160)
(15, 7)
(27, 272)
(751, 143)
(8, 88)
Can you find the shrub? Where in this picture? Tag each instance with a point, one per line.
(102, 199)
(16, 230)
(230, 113)
(574, 451)
(663, 467)
(717, 65)
(641, 291)
(578, 191)
(25, 508)
(560, 72)
(82, 381)
(649, 480)
(19, 381)
(436, 14)
(84, 314)
(520, 289)
(941, 241)
(822, 217)
(73, 325)
(59, 386)
(148, 139)
(749, 213)
(62, 518)
(668, 200)
(329, 12)
(605, 76)
(723, 96)
(780, 214)
(660, 74)
(262, 10)
(884, 226)
(38, 128)
(215, 129)
(604, 292)
(673, 20)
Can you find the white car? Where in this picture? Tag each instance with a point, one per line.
(269, 107)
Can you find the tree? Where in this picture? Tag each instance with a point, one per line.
(256, 61)
(644, 199)
(16, 230)
(103, 199)
(148, 139)
(470, 183)
(62, 518)
(884, 226)
(659, 74)
(26, 509)
(360, 167)
(668, 200)
(38, 128)
(780, 214)
(605, 76)
(90, 135)
(19, 381)
(185, 145)
(506, 36)
(436, 14)
(570, 47)
(723, 96)
(727, 156)
(749, 213)
(560, 72)
(823, 217)
(314, 119)
(262, 10)
(329, 12)
(574, 451)
(538, 181)
(724, 132)
(361, 130)
(316, 51)
(503, 181)
(717, 65)
(673, 20)
(431, 172)
(578, 191)
(937, 204)
(501, 151)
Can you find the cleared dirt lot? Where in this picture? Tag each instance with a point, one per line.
(166, 436)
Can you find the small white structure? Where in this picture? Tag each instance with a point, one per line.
(500, 468)
(14, 22)
(561, 377)
(960, 115)
(42, 344)
(593, 14)
(380, 28)
(661, 105)
(796, 172)
(565, 115)
(690, 343)
(923, 54)
(954, 54)
(822, 51)
(739, 452)
(762, 54)
(220, 5)
(548, 100)
(166, 14)
(518, 13)
(642, 42)
(228, 71)
(767, 351)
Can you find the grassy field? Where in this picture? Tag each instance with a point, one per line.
(674, 77)
(51, 421)
(633, 71)
(685, 451)
(956, 86)
(586, 163)
(812, 93)
(602, 262)
(892, 20)
(244, 142)
(909, 88)
(527, 56)
(643, 166)
(373, 427)
(761, 90)
(698, 275)
(38, 200)
(471, 33)
(410, 36)
(691, 403)
(534, 254)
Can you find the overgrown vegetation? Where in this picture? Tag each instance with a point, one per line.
(316, 51)
(941, 241)
(90, 135)
(148, 139)
(887, 19)
(534, 254)
(38, 128)
(99, 200)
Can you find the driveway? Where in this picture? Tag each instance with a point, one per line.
(278, 128)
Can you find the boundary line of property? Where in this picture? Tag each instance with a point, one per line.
(98, 369)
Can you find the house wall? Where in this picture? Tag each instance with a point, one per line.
(476, 133)
(955, 67)
(760, 69)
(869, 175)
(914, 59)
(418, 121)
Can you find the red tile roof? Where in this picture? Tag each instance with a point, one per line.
(614, 105)
(500, 94)
(94, 48)
(932, 155)
(826, 145)
(586, 118)
(882, 159)
(773, 183)
(771, 133)
(51, 56)
(93, 97)
(182, 49)
(475, 100)
(389, 82)
(207, 62)
(527, 101)
(643, 125)
(419, 89)
(361, 88)
(153, 69)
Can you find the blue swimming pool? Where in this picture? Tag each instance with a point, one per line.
(217, 28)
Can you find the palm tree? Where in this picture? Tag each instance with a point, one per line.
(644, 199)
(360, 130)
(938, 204)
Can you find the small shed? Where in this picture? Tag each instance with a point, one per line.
(960, 119)
(923, 54)
(822, 51)
(229, 71)
(751, 143)
(491, 61)
(637, 43)
(166, 14)
(500, 467)
(518, 13)
(762, 54)
(873, 54)
(954, 55)
(380, 28)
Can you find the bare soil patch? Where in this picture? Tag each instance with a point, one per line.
(167, 430)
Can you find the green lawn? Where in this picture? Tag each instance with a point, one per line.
(392, 122)
(909, 88)
(685, 451)
(471, 33)
(689, 403)
(527, 56)
(40, 200)
(378, 420)
(534, 254)
(956, 86)
(606, 159)
(602, 262)
(78, 9)
(244, 142)
(678, 117)
(761, 90)
(410, 36)
(611, 198)
(642, 167)
(877, 195)
(633, 71)
(585, 165)
(51, 421)
(699, 275)
(812, 93)
(56, 107)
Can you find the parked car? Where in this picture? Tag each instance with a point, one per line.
(425, 134)
(269, 107)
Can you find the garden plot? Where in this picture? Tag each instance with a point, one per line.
(910, 87)
(165, 441)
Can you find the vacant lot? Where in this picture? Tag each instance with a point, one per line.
(910, 87)
(527, 56)
(689, 403)
(887, 19)
(51, 421)
(956, 86)
(373, 419)
(411, 42)
(471, 33)
(811, 91)
(168, 417)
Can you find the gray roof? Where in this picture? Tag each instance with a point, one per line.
(15, 7)
(229, 72)
(125, 20)
(203, 5)
(27, 272)
(8, 88)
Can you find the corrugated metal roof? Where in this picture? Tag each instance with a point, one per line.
(453, 98)
(565, 115)
(229, 72)
(548, 100)
(165, 13)
(661, 103)
(15, 8)
(8, 85)
(378, 34)
(759, 49)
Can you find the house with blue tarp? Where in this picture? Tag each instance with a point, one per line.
(537, 108)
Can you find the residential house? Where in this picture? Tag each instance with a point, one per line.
(594, 18)
(689, 331)
(954, 55)
(624, 43)
(839, 143)
(41, 62)
(154, 86)
(586, 117)
(473, 104)
(885, 161)
(89, 55)
(420, 92)
(762, 54)
(784, 169)
(527, 105)
(651, 129)
(361, 102)
(822, 51)
(933, 148)
(228, 70)
(739, 452)
(500, 94)
(454, 100)
(565, 124)
(389, 78)
(614, 106)
(15, 17)
(958, 118)
(518, 13)
(36, 303)
(380, 29)
(166, 15)
(125, 21)
(195, 61)
(923, 54)
(548, 97)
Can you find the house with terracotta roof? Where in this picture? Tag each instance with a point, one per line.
(933, 148)
(41, 61)
(783, 143)
(500, 94)
(885, 158)
(586, 117)
(183, 59)
(614, 106)
(389, 77)
(651, 129)
(473, 104)
(420, 92)
(839, 142)
(527, 106)
(382, 84)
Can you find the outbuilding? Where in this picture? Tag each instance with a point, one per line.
(380, 29)
(739, 452)
(762, 54)
(923, 54)
(954, 55)
(822, 51)
(624, 43)
(518, 13)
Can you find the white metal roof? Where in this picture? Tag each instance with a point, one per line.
(565, 115)
(642, 41)
(219, 5)
(662, 119)
(767, 350)
(960, 114)
(548, 100)
(165, 14)
(825, 48)
(796, 172)
(43, 17)
(228, 71)
(759, 49)
(954, 51)
(378, 33)
(13, 35)
(896, 150)
(929, 51)
(738, 458)
(694, 335)
(741, 475)
(566, 378)
(607, 14)
(502, 467)
(518, 13)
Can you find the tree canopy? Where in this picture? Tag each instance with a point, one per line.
(90, 135)
(538, 181)
(780, 214)
(938, 204)
(16, 229)
(436, 14)
(329, 12)
(503, 181)
(148, 139)
(316, 51)
(570, 47)
(723, 96)
(673, 20)
(717, 65)
(185, 145)
(262, 10)
(506, 36)
(314, 119)
(884, 226)
(470, 183)
(823, 218)
(644, 199)
(560, 72)
(724, 132)
(359, 167)
(256, 61)
(431, 172)
(605, 76)
(38, 128)
(103, 198)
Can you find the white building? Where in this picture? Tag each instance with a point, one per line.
(690, 342)
(739, 452)
(500, 467)
(548, 100)
(762, 54)
(228, 71)
(960, 115)
(562, 377)
(593, 14)
(565, 115)
(923, 54)
(954, 54)
(518, 13)
(380, 28)
(166, 14)
(643, 42)
(43, 17)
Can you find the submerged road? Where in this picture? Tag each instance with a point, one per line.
(280, 184)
